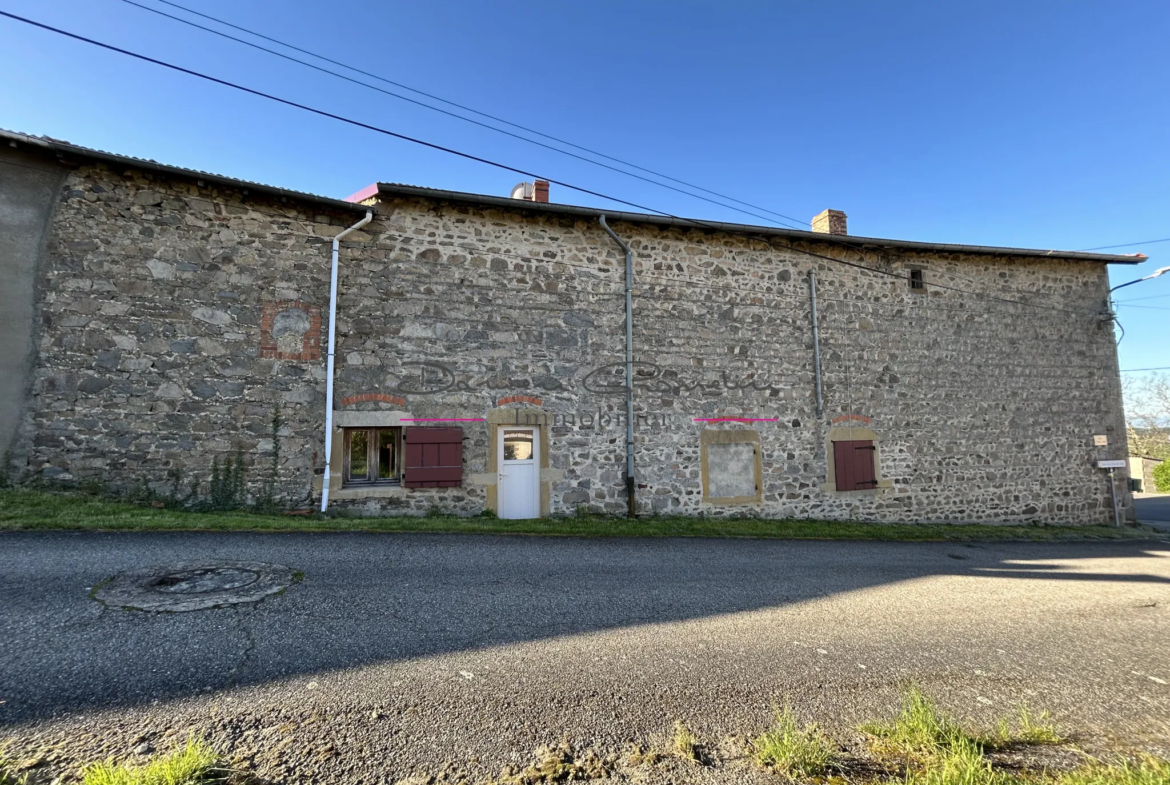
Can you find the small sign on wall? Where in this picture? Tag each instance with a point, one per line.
(1116, 464)
(1100, 441)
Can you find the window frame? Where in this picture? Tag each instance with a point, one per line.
(372, 433)
(918, 280)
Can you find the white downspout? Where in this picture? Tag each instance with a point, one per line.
(329, 357)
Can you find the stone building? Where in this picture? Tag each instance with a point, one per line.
(157, 319)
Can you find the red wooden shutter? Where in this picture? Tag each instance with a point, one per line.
(843, 465)
(864, 476)
(853, 465)
(433, 457)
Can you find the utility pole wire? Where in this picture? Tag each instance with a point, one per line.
(787, 218)
(692, 221)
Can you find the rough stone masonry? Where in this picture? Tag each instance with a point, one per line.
(155, 319)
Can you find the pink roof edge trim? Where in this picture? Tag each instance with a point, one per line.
(364, 194)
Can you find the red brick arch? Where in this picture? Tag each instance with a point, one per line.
(520, 399)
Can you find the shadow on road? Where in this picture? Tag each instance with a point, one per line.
(370, 598)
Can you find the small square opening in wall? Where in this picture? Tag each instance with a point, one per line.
(917, 282)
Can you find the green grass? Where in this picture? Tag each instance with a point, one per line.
(1037, 729)
(8, 771)
(959, 763)
(932, 749)
(920, 731)
(194, 763)
(685, 743)
(30, 510)
(1148, 771)
(792, 750)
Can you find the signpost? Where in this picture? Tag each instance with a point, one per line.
(1111, 465)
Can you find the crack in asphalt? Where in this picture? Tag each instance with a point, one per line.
(245, 630)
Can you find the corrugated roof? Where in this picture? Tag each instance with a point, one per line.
(400, 189)
(67, 148)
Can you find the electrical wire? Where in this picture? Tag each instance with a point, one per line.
(1127, 245)
(451, 114)
(357, 123)
(840, 241)
(1136, 370)
(467, 108)
(1139, 299)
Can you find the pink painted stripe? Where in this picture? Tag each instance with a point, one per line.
(737, 419)
(442, 419)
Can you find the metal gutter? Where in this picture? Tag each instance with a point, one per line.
(330, 357)
(15, 139)
(630, 500)
(395, 189)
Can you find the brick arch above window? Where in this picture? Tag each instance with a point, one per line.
(530, 399)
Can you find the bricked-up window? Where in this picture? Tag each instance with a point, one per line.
(373, 456)
(917, 282)
(432, 457)
(853, 464)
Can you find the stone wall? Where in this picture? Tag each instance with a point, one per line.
(150, 327)
(174, 318)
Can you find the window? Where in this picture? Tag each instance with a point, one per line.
(518, 445)
(917, 283)
(372, 456)
(853, 464)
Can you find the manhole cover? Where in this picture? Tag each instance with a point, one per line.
(193, 586)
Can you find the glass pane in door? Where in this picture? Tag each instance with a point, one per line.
(517, 445)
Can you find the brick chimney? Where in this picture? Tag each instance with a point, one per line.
(540, 191)
(830, 222)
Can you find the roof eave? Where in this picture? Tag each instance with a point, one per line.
(67, 149)
(394, 189)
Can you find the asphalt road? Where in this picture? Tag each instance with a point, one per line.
(397, 653)
(1153, 509)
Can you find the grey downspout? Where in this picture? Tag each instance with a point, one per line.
(629, 367)
(816, 335)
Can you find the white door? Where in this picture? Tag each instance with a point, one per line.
(518, 488)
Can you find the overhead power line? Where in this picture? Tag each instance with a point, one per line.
(1127, 245)
(1139, 299)
(1144, 307)
(1136, 370)
(357, 123)
(833, 239)
(786, 219)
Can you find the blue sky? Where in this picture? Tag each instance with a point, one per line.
(1033, 124)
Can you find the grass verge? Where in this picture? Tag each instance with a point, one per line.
(792, 750)
(919, 732)
(930, 748)
(195, 763)
(38, 510)
(685, 743)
